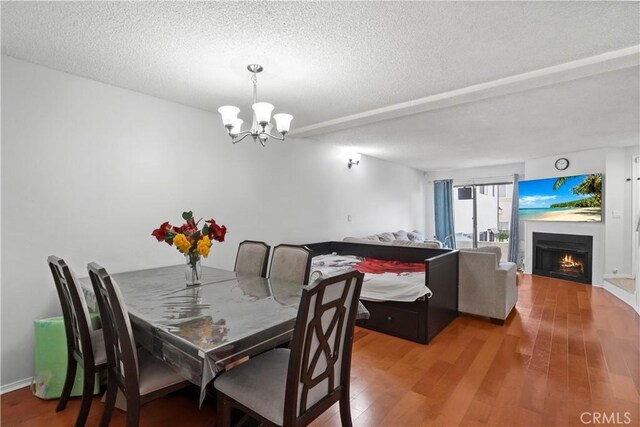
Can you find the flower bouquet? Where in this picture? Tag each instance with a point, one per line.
(191, 241)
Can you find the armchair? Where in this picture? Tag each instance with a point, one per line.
(487, 287)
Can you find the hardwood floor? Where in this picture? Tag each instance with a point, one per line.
(568, 349)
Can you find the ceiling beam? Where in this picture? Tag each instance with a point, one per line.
(610, 61)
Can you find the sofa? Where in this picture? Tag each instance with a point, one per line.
(487, 287)
(399, 238)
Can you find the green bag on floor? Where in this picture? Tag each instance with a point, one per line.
(51, 360)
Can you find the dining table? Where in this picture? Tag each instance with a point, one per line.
(200, 330)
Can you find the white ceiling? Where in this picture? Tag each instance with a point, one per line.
(327, 60)
(594, 112)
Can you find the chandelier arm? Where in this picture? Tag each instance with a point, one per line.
(279, 138)
(244, 134)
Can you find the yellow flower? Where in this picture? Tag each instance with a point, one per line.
(182, 243)
(204, 245)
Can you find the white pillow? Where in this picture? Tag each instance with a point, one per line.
(416, 236)
(364, 241)
(401, 235)
(428, 245)
(386, 237)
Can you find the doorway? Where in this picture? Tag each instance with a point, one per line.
(482, 215)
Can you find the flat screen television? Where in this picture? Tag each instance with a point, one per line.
(568, 198)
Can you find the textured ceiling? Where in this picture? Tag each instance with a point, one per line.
(323, 60)
(594, 112)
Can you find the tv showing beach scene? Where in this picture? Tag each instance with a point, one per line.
(568, 198)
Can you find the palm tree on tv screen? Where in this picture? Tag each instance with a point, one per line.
(591, 185)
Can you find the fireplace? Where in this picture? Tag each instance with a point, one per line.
(564, 256)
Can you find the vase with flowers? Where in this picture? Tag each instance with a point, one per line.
(192, 242)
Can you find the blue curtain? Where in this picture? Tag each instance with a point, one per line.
(443, 198)
(514, 237)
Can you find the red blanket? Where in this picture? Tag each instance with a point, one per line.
(379, 266)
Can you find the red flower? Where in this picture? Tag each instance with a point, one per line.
(161, 232)
(216, 232)
(166, 232)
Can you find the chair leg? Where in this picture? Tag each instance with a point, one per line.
(109, 401)
(87, 395)
(223, 411)
(133, 411)
(345, 410)
(68, 383)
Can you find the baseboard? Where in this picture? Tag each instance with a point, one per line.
(624, 296)
(6, 388)
(617, 276)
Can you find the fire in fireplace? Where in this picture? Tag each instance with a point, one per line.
(565, 256)
(569, 266)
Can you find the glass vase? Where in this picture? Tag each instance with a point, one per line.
(193, 270)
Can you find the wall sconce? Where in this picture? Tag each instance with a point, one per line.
(353, 158)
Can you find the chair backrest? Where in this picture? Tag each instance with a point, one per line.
(77, 323)
(120, 346)
(290, 263)
(320, 360)
(252, 258)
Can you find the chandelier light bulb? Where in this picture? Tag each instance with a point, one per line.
(263, 112)
(283, 122)
(237, 127)
(229, 115)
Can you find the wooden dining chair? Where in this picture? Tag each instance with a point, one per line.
(137, 373)
(292, 387)
(290, 263)
(252, 258)
(85, 347)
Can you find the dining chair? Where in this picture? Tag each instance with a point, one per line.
(292, 387)
(290, 263)
(137, 373)
(252, 258)
(85, 347)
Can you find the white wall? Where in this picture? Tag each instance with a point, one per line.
(629, 200)
(633, 230)
(89, 170)
(611, 162)
(579, 228)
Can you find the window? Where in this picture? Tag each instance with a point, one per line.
(482, 215)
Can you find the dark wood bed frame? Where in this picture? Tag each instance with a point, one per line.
(420, 320)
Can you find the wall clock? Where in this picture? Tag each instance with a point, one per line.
(562, 163)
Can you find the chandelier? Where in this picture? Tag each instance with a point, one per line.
(260, 128)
